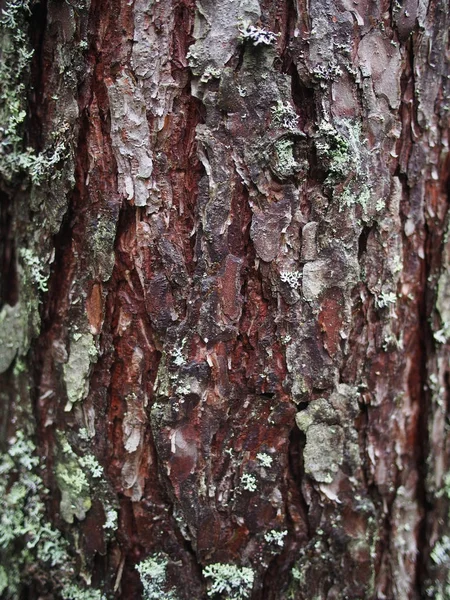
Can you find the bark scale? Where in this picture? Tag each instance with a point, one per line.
(225, 299)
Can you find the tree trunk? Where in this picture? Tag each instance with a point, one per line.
(225, 299)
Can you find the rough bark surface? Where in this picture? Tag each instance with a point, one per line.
(225, 299)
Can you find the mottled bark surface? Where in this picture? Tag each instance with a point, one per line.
(225, 299)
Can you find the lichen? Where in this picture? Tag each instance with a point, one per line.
(74, 592)
(235, 583)
(256, 35)
(386, 299)
(37, 271)
(11, 334)
(283, 115)
(292, 278)
(73, 484)
(249, 482)
(29, 544)
(264, 459)
(14, 70)
(332, 147)
(111, 519)
(275, 537)
(83, 352)
(152, 572)
(440, 553)
(285, 164)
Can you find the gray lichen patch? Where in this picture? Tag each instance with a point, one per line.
(82, 353)
(11, 334)
(331, 438)
(443, 289)
(323, 452)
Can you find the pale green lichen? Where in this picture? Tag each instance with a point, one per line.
(327, 72)
(11, 334)
(14, 69)
(234, 583)
(73, 484)
(210, 72)
(152, 572)
(83, 352)
(256, 35)
(285, 163)
(334, 148)
(348, 198)
(37, 271)
(283, 115)
(16, 56)
(275, 537)
(89, 462)
(29, 545)
(440, 554)
(74, 592)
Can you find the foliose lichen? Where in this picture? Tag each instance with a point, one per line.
(256, 35)
(235, 583)
(30, 546)
(152, 572)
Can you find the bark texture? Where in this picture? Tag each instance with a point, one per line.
(225, 299)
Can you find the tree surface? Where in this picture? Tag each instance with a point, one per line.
(225, 299)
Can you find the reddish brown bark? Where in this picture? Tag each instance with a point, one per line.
(246, 323)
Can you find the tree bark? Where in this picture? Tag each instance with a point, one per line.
(225, 299)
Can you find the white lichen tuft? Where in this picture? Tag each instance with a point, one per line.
(385, 299)
(92, 465)
(234, 582)
(440, 554)
(264, 459)
(292, 278)
(276, 537)
(111, 519)
(152, 572)
(283, 115)
(256, 35)
(249, 482)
